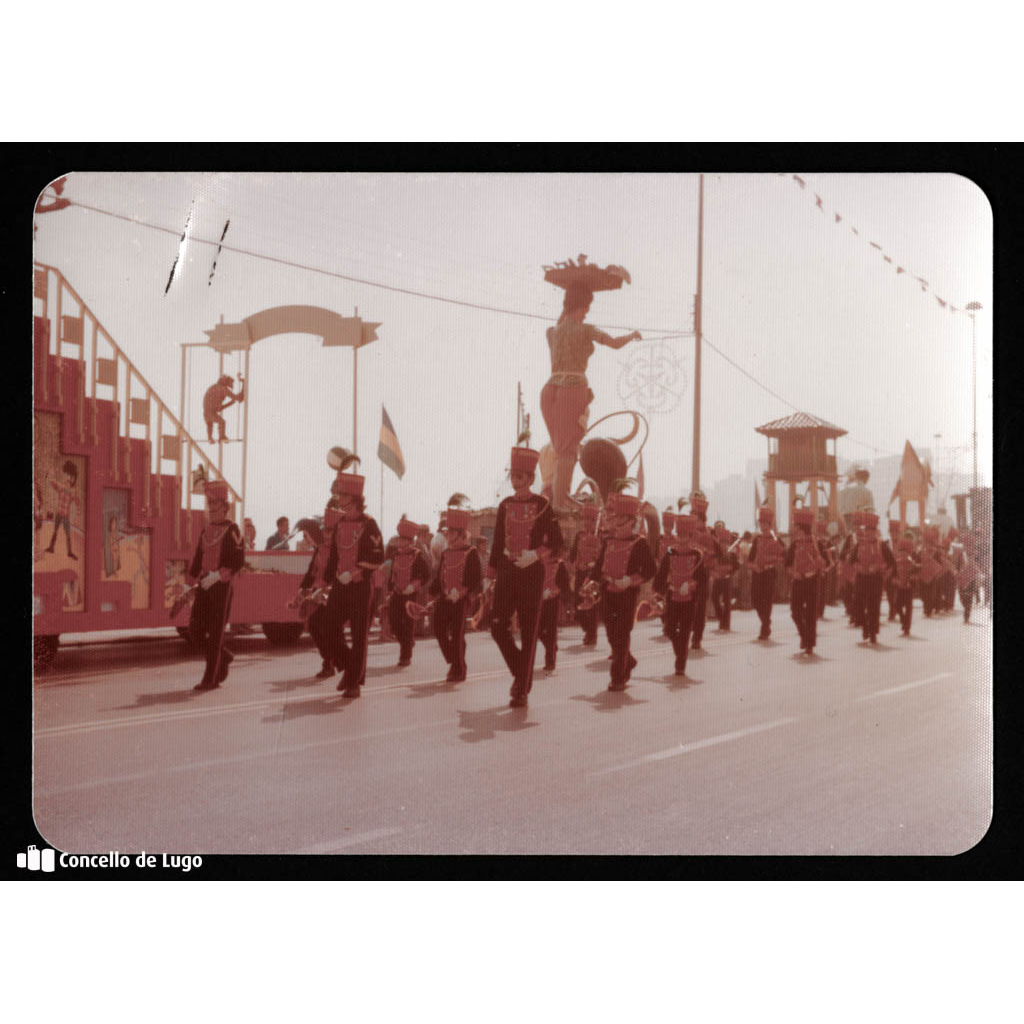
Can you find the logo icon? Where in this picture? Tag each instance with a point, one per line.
(37, 860)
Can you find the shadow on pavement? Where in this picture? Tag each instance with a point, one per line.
(317, 706)
(807, 659)
(608, 700)
(768, 642)
(149, 700)
(485, 725)
(419, 690)
(672, 682)
(878, 648)
(389, 671)
(287, 685)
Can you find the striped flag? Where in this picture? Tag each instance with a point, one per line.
(389, 451)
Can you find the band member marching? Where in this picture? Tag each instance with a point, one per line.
(410, 570)
(313, 583)
(556, 589)
(676, 581)
(803, 563)
(766, 554)
(708, 547)
(723, 565)
(624, 564)
(964, 560)
(458, 581)
(219, 555)
(357, 549)
(586, 546)
(903, 577)
(933, 567)
(668, 524)
(525, 532)
(895, 533)
(873, 559)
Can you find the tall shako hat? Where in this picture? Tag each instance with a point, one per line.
(765, 515)
(619, 504)
(340, 459)
(590, 512)
(698, 502)
(407, 528)
(457, 519)
(667, 518)
(686, 525)
(869, 519)
(803, 517)
(524, 460)
(215, 490)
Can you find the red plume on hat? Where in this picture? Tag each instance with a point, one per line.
(347, 483)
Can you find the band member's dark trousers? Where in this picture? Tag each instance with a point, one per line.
(849, 603)
(967, 596)
(401, 625)
(587, 619)
(678, 618)
(928, 597)
(618, 611)
(890, 596)
(822, 588)
(57, 523)
(700, 610)
(318, 631)
(803, 606)
(721, 599)
(349, 604)
(762, 591)
(518, 592)
(450, 630)
(209, 619)
(903, 600)
(948, 591)
(547, 631)
(869, 601)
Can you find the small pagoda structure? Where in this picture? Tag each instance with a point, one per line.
(798, 452)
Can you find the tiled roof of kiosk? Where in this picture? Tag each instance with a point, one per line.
(800, 421)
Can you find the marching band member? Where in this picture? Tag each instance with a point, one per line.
(668, 525)
(903, 576)
(219, 555)
(586, 546)
(804, 562)
(933, 563)
(524, 532)
(968, 572)
(459, 579)
(872, 558)
(895, 533)
(708, 547)
(409, 571)
(947, 581)
(723, 565)
(357, 549)
(766, 553)
(315, 578)
(827, 549)
(676, 581)
(556, 588)
(624, 563)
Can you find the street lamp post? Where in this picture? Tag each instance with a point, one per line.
(972, 308)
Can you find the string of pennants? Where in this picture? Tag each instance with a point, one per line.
(819, 203)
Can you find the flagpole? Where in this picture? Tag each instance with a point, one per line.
(381, 495)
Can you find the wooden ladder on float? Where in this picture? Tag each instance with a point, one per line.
(177, 445)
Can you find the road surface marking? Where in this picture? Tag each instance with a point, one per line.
(333, 845)
(905, 686)
(686, 748)
(157, 717)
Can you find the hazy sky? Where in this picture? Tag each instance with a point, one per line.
(794, 297)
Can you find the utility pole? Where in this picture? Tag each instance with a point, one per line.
(697, 328)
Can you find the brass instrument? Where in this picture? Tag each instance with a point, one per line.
(184, 600)
(417, 611)
(590, 594)
(649, 608)
(306, 602)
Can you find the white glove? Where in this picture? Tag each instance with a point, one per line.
(345, 577)
(411, 589)
(548, 594)
(453, 594)
(683, 589)
(624, 582)
(528, 557)
(209, 579)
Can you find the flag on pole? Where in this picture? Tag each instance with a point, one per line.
(389, 451)
(640, 477)
(757, 503)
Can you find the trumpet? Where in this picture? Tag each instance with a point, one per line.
(184, 600)
(306, 602)
(590, 594)
(649, 608)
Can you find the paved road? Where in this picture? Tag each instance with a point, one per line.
(859, 750)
